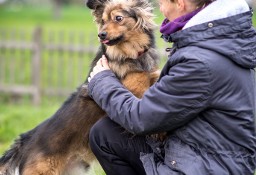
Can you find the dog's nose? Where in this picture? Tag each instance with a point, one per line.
(102, 35)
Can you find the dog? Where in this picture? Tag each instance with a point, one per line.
(59, 145)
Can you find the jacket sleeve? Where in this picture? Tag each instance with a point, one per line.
(170, 103)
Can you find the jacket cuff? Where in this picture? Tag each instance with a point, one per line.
(98, 78)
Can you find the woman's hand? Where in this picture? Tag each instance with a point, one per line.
(101, 65)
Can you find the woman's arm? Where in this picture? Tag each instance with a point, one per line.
(170, 103)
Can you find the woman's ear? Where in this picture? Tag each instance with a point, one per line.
(180, 5)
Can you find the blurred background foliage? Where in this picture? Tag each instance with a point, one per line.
(17, 114)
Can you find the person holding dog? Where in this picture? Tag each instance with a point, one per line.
(204, 98)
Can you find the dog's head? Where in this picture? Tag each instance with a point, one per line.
(124, 23)
(141, 9)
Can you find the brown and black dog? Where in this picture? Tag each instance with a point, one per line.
(59, 145)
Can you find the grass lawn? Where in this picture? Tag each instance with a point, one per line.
(18, 118)
(72, 17)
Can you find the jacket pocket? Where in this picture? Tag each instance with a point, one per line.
(182, 158)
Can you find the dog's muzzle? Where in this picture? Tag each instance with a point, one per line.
(103, 35)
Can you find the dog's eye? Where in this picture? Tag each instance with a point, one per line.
(102, 22)
(118, 18)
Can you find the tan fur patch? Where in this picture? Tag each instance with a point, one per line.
(41, 165)
(137, 83)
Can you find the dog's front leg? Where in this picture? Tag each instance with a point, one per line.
(137, 82)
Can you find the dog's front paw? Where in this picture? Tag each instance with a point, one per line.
(83, 90)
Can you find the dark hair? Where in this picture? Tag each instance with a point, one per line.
(201, 3)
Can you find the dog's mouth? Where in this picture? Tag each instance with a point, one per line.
(112, 41)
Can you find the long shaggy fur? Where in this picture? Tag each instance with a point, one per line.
(59, 145)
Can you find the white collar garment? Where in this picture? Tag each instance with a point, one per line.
(218, 9)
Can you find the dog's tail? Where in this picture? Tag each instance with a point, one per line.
(11, 159)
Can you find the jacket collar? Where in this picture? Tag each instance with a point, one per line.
(213, 12)
(233, 37)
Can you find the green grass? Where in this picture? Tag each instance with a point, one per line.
(18, 118)
(254, 19)
(72, 17)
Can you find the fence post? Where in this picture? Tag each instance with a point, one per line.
(36, 57)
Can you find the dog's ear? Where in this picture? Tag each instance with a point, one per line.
(98, 7)
(93, 4)
(145, 16)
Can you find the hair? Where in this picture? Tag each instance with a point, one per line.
(198, 3)
(201, 3)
